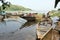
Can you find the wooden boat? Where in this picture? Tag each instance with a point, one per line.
(43, 33)
(29, 18)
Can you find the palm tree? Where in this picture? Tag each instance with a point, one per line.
(56, 2)
(5, 4)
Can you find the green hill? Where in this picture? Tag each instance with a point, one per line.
(17, 8)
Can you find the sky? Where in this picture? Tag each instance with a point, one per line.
(38, 5)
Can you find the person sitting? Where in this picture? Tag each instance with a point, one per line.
(43, 19)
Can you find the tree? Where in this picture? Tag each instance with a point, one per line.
(59, 9)
(4, 4)
(56, 2)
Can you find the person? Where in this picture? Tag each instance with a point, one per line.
(48, 14)
(38, 26)
(43, 19)
(38, 31)
(57, 28)
(59, 18)
(58, 23)
(49, 20)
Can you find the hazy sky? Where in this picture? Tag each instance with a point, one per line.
(36, 4)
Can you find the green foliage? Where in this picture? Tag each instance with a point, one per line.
(55, 14)
(59, 9)
(16, 8)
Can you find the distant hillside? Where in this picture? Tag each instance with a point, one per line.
(17, 8)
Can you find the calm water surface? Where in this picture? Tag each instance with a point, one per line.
(26, 32)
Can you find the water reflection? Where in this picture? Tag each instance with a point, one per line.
(28, 32)
(27, 24)
(11, 25)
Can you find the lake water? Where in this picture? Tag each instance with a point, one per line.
(10, 25)
(27, 32)
(6, 27)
